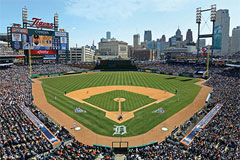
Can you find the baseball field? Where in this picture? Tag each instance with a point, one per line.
(135, 96)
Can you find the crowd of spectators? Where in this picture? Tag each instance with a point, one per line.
(171, 67)
(52, 68)
(21, 139)
(220, 139)
(5, 50)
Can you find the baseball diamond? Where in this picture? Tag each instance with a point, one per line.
(69, 92)
(102, 118)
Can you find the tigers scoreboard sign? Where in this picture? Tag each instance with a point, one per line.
(22, 38)
(44, 39)
(38, 24)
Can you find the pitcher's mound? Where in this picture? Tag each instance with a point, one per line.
(119, 99)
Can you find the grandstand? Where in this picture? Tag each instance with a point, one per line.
(21, 139)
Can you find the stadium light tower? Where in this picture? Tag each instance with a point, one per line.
(198, 21)
(213, 19)
(24, 17)
(56, 22)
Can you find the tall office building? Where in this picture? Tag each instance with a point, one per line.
(108, 35)
(136, 40)
(173, 41)
(163, 38)
(223, 20)
(235, 41)
(189, 38)
(178, 35)
(147, 35)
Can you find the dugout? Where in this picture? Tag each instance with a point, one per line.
(120, 147)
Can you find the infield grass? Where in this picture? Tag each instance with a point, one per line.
(144, 119)
(132, 100)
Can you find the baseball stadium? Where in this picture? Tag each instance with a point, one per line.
(52, 106)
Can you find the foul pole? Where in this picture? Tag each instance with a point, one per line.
(30, 63)
(208, 60)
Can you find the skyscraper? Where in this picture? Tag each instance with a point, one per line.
(108, 35)
(178, 35)
(148, 35)
(223, 20)
(189, 38)
(235, 41)
(136, 40)
(163, 38)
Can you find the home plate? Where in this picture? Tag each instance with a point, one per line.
(164, 129)
(77, 128)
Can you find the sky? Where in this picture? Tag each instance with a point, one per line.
(89, 20)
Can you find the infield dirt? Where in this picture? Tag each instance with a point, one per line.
(153, 93)
(88, 137)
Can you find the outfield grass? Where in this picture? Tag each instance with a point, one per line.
(144, 119)
(132, 102)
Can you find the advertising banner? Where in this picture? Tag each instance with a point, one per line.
(63, 46)
(217, 37)
(49, 56)
(16, 45)
(61, 34)
(16, 37)
(195, 131)
(46, 132)
(63, 39)
(39, 57)
(43, 52)
(16, 41)
(20, 30)
(40, 32)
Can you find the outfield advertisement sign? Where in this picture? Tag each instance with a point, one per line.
(48, 134)
(51, 56)
(40, 32)
(16, 40)
(187, 140)
(20, 30)
(43, 52)
(61, 34)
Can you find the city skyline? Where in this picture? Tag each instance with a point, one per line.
(123, 18)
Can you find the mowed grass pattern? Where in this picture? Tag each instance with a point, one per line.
(132, 102)
(144, 119)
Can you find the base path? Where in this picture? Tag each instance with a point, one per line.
(88, 137)
(157, 94)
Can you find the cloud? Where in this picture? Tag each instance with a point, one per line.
(74, 28)
(114, 9)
